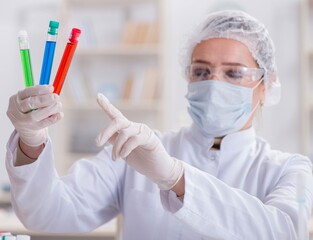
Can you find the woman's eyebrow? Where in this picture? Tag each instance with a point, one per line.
(234, 64)
(223, 63)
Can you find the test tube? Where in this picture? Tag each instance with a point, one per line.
(49, 53)
(66, 60)
(25, 57)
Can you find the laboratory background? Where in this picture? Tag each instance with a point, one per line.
(130, 51)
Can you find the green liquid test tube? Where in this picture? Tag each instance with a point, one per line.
(25, 57)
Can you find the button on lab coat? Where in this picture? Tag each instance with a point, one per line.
(243, 191)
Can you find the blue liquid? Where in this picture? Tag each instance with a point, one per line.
(47, 63)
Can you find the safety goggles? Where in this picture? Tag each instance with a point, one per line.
(233, 74)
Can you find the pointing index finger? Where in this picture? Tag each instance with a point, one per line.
(107, 107)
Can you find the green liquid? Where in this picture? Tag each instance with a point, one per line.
(27, 67)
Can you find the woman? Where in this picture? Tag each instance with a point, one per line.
(213, 180)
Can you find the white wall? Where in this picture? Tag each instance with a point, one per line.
(280, 16)
(8, 72)
(11, 21)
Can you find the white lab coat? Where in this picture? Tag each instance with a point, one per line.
(243, 191)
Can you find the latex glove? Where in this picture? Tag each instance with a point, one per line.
(32, 125)
(139, 147)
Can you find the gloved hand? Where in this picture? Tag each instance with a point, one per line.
(139, 147)
(32, 124)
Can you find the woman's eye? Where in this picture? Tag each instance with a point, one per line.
(234, 74)
(201, 73)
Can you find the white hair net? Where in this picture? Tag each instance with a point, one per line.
(239, 26)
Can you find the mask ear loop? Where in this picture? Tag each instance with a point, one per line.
(259, 119)
(259, 113)
(260, 102)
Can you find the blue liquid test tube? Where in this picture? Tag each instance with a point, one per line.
(49, 53)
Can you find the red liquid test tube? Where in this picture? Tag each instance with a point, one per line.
(66, 60)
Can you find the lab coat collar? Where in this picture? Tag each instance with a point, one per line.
(238, 141)
(232, 142)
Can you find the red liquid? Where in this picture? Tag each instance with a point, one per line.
(64, 66)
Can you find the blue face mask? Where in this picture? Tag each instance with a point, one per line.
(219, 108)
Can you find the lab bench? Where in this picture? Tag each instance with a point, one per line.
(10, 223)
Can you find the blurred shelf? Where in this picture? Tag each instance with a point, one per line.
(310, 104)
(305, 82)
(310, 227)
(123, 50)
(10, 223)
(106, 2)
(5, 197)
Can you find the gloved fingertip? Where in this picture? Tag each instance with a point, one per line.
(99, 95)
(56, 117)
(122, 156)
(98, 141)
(102, 99)
(99, 100)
